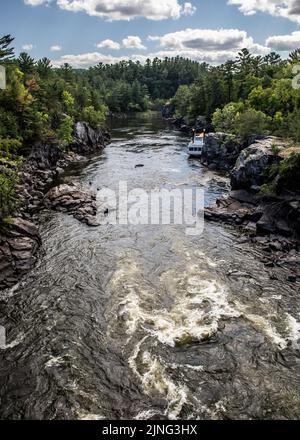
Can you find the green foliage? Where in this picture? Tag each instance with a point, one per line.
(290, 165)
(6, 52)
(268, 190)
(251, 122)
(68, 101)
(8, 180)
(225, 120)
(65, 132)
(93, 117)
(182, 100)
(275, 149)
(9, 147)
(293, 124)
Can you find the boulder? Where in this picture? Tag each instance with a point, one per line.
(251, 166)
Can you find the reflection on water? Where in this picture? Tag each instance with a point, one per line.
(145, 321)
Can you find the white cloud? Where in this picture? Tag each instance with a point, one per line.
(28, 47)
(36, 2)
(87, 59)
(282, 8)
(284, 42)
(55, 48)
(209, 41)
(189, 9)
(132, 42)
(108, 44)
(124, 9)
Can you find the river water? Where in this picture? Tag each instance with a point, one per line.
(146, 322)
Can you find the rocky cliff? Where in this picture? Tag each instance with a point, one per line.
(19, 237)
(265, 196)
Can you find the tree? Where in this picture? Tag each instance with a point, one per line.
(251, 122)
(65, 132)
(294, 56)
(44, 67)
(26, 63)
(224, 120)
(228, 70)
(272, 59)
(182, 100)
(95, 118)
(6, 52)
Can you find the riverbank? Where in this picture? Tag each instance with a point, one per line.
(20, 240)
(264, 202)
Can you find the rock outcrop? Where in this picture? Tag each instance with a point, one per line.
(74, 200)
(261, 203)
(221, 151)
(45, 155)
(18, 251)
(252, 164)
(19, 239)
(87, 140)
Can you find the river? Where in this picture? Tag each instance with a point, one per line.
(147, 322)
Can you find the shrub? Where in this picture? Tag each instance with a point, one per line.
(9, 147)
(251, 122)
(65, 132)
(8, 180)
(225, 119)
(93, 117)
(293, 123)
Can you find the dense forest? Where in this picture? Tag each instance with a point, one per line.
(249, 94)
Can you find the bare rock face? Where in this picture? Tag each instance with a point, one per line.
(87, 140)
(45, 155)
(221, 151)
(168, 111)
(251, 166)
(18, 251)
(73, 200)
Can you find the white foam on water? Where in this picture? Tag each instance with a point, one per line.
(185, 366)
(89, 416)
(54, 362)
(145, 415)
(19, 339)
(293, 328)
(199, 303)
(265, 323)
(155, 379)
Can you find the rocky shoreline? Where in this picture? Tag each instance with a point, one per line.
(20, 241)
(268, 218)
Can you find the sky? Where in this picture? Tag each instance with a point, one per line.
(86, 32)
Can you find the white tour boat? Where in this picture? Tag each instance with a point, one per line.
(195, 147)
